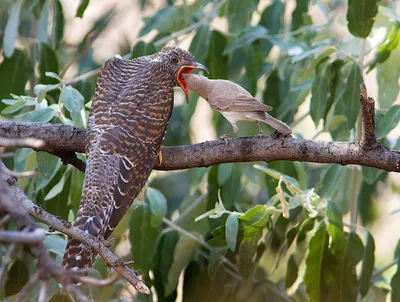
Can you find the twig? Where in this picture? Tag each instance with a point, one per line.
(43, 291)
(99, 282)
(6, 261)
(4, 220)
(18, 237)
(198, 240)
(21, 143)
(15, 174)
(380, 271)
(191, 207)
(6, 155)
(244, 149)
(82, 77)
(24, 292)
(76, 293)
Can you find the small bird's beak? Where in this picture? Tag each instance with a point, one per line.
(188, 69)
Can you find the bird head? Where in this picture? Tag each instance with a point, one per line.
(180, 61)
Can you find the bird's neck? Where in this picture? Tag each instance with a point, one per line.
(198, 84)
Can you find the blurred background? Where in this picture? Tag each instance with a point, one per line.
(298, 56)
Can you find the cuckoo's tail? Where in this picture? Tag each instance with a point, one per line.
(277, 124)
(76, 253)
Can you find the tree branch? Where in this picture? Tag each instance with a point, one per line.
(22, 220)
(59, 137)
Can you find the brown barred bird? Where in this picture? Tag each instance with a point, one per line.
(127, 122)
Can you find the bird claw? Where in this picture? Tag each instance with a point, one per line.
(224, 138)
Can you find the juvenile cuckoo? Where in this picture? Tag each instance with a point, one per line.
(234, 102)
(131, 108)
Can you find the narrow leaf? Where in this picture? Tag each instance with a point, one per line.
(361, 16)
(231, 230)
(389, 121)
(11, 29)
(81, 8)
(367, 265)
(158, 206)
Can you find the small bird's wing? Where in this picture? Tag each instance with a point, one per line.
(241, 103)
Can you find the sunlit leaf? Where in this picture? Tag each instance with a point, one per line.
(41, 115)
(81, 8)
(72, 99)
(11, 29)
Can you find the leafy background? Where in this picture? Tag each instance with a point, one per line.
(234, 232)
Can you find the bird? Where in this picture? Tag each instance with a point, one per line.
(131, 107)
(234, 102)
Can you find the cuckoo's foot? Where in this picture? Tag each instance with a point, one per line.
(159, 156)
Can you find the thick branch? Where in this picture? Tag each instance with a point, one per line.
(246, 149)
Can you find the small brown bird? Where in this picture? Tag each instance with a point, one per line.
(234, 102)
(131, 108)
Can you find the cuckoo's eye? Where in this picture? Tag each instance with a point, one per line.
(175, 59)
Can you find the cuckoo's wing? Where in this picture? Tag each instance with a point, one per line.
(123, 140)
(241, 103)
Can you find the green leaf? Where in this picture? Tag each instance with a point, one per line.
(57, 189)
(77, 178)
(158, 206)
(250, 35)
(42, 25)
(81, 8)
(321, 90)
(246, 253)
(370, 175)
(11, 29)
(292, 271)
(231, 231)
(164, 261)
(47, 63)
(36, 7)
(184, 251)
(395, 284)
(14, 73)
(72, 99)
(47, 164)
(387, 77)
(239, 15)
(348, 91)
(346, 286)
(214, 262)
(256, 216)
(141, 49)
(315, 269)
(143, 236)
(298, 13)
(15, 107)
(224, 172)
(385, 49)
(17, 277)
(38, 88)
(58, 26)
(52, 75)
(367, 265)
(55, 244)
(271, 18)
(171, 18)
(41, 115)
(361, 16)
(277, 175)
(330, 181)
(389, 121)
(216, 61)
(200, 43)
(335, 226)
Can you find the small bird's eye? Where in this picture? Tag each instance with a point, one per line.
(175, 59)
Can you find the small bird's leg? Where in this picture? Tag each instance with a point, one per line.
(260, 132)
(235, 130)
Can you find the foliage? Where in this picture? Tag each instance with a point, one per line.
(261, 232)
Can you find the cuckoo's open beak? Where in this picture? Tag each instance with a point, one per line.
(188, 69)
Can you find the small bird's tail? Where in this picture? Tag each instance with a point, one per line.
(76, 254)
(277, 124)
